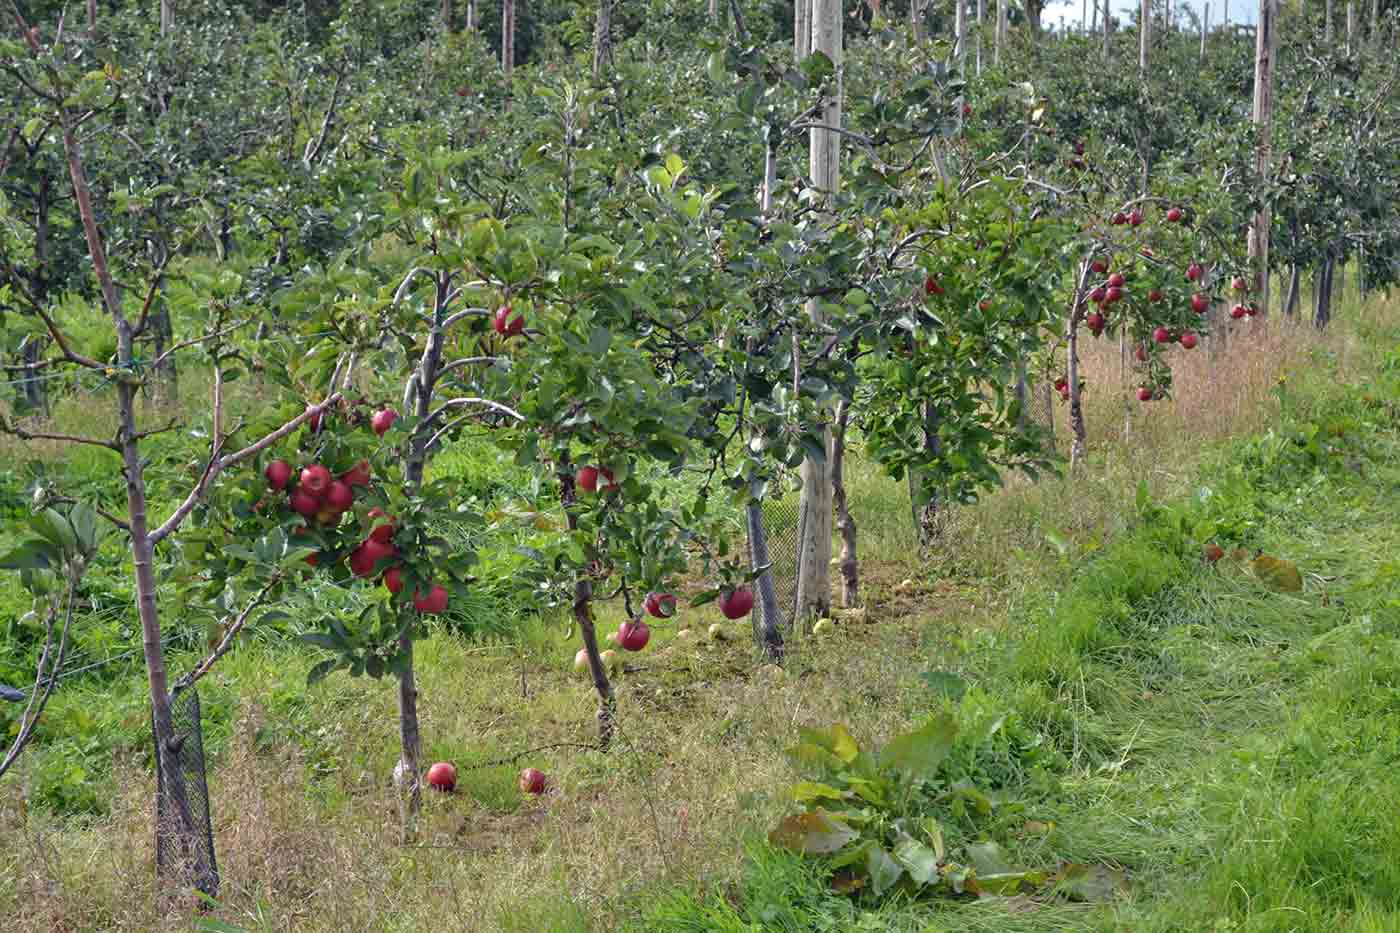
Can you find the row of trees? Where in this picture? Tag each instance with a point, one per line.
(716, 263)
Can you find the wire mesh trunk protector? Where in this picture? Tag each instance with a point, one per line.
(185, 859)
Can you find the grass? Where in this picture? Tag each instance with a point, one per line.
(1228, 746)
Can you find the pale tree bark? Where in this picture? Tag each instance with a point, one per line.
(1265, 53)
(1000, 31)
(167, 16)
(471, 16)
(602, 41)
(845, 523)
(508, 36)
(1205, 29)
(814, 511)
(1351, 26)
(960, 35)
(981, 17)
(1327, 24)
(1107, 27)
(802, 28)
(1144, 35)
(583, 617)
(92, 18)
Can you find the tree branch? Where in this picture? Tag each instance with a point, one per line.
(197, 340)
(226, 643)
(27, 435)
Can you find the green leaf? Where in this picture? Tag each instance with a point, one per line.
(805, 753)
(805, 791)
(919, 860)
(31, 554)
(884, 870)
(325, 640)
(1144, 496)
(1090, 882)
(945, 684)
(715, 66)
(919, 753)
(1277, 573)
(814, 833)
(321, 670)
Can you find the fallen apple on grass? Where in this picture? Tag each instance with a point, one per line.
(442, 776)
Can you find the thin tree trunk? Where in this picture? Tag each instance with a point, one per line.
(167, 16)
(410, 738)
(602, 41)
(981, 17)
(814, 548)
(1107, 27)
(508, 36)
(1322, 313)
(1265, 54)
(1351, 26)
(1290, 303)
(449, 15)
(1000, 31)
(1076, 408)
(583, 617)
(1327, 24)
(1144, 34)
(92, 18)
(1205, 29)
(960, 35)
(925, 501)
(769, 628)
(802, 28)
(845, 524)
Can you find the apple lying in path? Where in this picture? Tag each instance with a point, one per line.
(735, 604)
(533, 782)
(1144, 394)
(442, 776)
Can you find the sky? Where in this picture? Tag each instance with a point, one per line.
(1241, 11)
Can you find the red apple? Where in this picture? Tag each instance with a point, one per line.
(1098, 295)
(1251, 310)
(1189, 340)
(1095, 321)
(364, 557)
(1135, 218)
(1114, 295)
(383, 420)
(589, 475)
(433, 603)
(278, 473)
(1239, 284)
(1155, 296)
(1162, 335)
(735, 604)
(357, 475)
(393, 580)
(660, 605)
(1194, 272)
(442, 776)
(1174, 214)
(967, 110)
(1141, 354)
(304, 503)
(1119, 219)
(1214, 552)
(931, 286)
(339, 496)
(314, 422)
(984, 306)
(383, 534)
(633, 635)
(1116, 280)
(1238, 311)
(1200, 303)
(533, 782)
(1100, 266)
(1144, 394)
(315, 479)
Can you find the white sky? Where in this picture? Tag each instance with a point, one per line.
(1241, 11)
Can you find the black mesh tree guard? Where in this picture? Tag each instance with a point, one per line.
(780, 524)
(184, 833)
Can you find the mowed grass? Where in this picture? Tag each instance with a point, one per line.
(1230, 748)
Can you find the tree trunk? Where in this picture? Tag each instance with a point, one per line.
(925, 501)
(508, 36)
(981, 17)
(768, 629)
(583, 616)
(1076, 408)
(802, 28)
(1322, 313)
(960, 35)
(167, 16)
(92, 18)
(1265, 53)
(1144, 34)
(1107, 27)
(814, 512)
(1327, 24)
(410, 739)
(1000, 32)
(602, 41)
(1351, 26)
(845, 524)
(1205, 28)
(1290, 303)
(448, 14)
